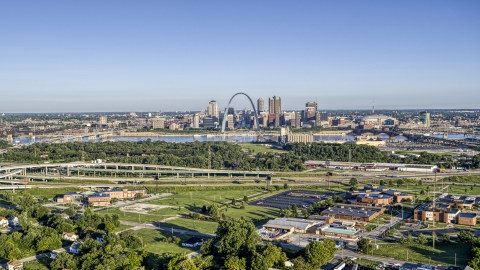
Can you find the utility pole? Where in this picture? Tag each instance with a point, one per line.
(434, 190)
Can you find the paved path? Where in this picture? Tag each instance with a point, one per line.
(44, 255)
(349, 253)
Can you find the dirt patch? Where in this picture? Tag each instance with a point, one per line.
(142, 208)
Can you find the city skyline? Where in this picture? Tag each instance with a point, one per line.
(121, 56)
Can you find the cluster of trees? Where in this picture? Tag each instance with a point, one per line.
(337, 152)
(469, 238)
(29, 242)
(115, 252)
(238, 248)
(217, 155)
(4, 144)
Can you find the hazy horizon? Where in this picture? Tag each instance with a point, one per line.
(112, 56)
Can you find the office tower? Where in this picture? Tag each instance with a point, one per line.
(318, 122)
(274, 105)
(158, 122)
(298, 119)
(310, 110)
(102, 120)
(231, 111)
(208, 122)
(324, 116)
(196, 121)
(271, 105)
(425, 118)
(260, 105)
(230, 121)
(278, 105)
(212, 110)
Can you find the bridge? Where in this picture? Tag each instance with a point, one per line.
(9, 173)
(79, 137)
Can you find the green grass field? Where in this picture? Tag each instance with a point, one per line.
(444, 254)
(191, 199)
(257, 148)
(153, 241)
(191, 224)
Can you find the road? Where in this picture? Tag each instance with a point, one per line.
(351, 254)
(44, 255)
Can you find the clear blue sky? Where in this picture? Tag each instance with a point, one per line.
(179, 55)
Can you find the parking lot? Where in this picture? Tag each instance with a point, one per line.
(301, 198)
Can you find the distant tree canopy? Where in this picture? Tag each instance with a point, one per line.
(214, 155)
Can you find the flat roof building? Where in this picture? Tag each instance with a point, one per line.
(353, 212)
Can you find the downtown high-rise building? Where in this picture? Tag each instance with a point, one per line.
(102, 120)
(158, 122)
(310, 111)
(260, 105)
(196, 121)
(274, 105)
(212, 109)
(425, 118)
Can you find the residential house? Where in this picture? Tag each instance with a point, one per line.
(3, 222)
(13, 221)
(14, 265)
(193, 242)
(69, 236)
(75, 248)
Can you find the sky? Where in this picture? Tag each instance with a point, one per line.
(80, 56)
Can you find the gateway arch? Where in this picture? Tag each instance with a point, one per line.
(228, 106)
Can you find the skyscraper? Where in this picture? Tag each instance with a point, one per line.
(260, 105)
(271, 105)
(310, 110)
(102, 120)
(425, 118)
(196, 121)
(212, 109)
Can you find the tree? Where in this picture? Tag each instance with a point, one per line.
(294, 210)
(64, 260)
(364, 245)
(237, 237)
(466, 236)
(382, 183)
(400, 182)
(204, 209)
(301, 264)
(41, 212)
(234, 201)
(421, 239)
(213, 211)
(353, 182)
(235, 263)
(318, 253)
(245, 198)
(70, 211)
(446, 238)
(269, 256)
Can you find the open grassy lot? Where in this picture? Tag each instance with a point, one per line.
(191, 199)
(443, 254)
(48, 193)
(257, 148)
(153, 241)
(191, 224)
